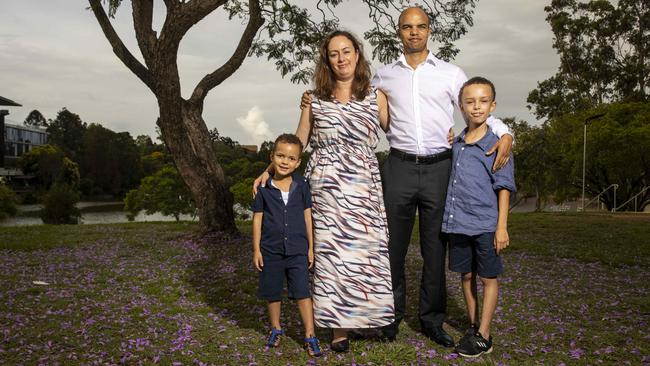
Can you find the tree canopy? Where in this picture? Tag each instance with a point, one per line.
(162, 192)
(604, 50)
(66, 131)
(35, 119)
(618, 151)
(50, 165)
(110, 162)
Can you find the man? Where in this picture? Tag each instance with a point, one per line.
(422, 91)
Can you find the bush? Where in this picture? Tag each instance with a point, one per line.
(163, 192)
(28, 198)
(7, 202)
(59, 205)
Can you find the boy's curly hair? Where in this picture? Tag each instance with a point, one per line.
(288, 138)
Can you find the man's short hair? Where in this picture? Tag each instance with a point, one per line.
(478, 80)
(399, 20)
(288, 138)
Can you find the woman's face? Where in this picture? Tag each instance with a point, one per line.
(343, 57)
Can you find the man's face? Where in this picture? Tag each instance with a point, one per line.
(414, 30)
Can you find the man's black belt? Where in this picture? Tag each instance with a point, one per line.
(421, 159)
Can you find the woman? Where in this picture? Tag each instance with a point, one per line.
(352, 283)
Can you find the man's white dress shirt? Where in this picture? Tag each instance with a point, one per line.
(422, 104)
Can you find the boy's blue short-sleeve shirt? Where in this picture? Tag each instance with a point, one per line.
(472, 205)
(283, 226)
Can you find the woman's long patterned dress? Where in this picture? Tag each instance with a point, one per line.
(352, 283)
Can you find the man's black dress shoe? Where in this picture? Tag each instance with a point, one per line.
(340, 346)
(438, 335)
(389, 332)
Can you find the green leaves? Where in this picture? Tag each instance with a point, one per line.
(604, 56)
(49, 165)
(7, 202)
(291, 34)
(163, 192)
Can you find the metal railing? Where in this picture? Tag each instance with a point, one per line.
(597, 198)
(633, 198)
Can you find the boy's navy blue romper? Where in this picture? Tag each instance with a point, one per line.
(284, 243)
(472, 207)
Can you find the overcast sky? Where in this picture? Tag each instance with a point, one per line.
(53, 55)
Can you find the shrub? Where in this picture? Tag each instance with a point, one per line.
(163, 192)
(7, 202)
(59, 205)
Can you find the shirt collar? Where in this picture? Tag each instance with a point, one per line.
(485, 143)
(295, 181)
(431, 59)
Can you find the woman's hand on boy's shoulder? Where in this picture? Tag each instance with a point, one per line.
(260, 181)
(501, 240)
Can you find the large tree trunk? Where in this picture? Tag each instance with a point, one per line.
(180, 121)
(186, 136)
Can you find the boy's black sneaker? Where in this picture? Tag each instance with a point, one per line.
(473, 329)
(466, 341)
(474, 345)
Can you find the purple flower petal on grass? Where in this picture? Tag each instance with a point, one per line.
(576, 353)
(451, 356)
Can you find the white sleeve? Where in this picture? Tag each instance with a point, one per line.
(459, 80)
(376, 80)
(498, 127)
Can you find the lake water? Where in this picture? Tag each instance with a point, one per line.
(100, 217)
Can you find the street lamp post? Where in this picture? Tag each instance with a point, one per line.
(584, 153)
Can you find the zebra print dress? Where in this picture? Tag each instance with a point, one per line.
(352, 283)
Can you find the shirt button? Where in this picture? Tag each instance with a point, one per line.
(453, 199)
(454, 180)
(286, 224)
(462, 148)
(451, 215)
(457, 164)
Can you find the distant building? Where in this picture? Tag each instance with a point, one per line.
(16, 140)
(3, 112)
(19, 140)
(251, 148)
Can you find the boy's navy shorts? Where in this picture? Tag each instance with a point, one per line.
(474, 253)
(276, 267)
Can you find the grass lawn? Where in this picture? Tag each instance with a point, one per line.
(575, 291)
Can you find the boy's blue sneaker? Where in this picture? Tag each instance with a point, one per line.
(313, 347)
(474, 345)
(274, 337)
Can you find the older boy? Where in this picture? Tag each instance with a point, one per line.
(283, 240)
(477, 204)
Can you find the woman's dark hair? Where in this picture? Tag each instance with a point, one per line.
(324, 79)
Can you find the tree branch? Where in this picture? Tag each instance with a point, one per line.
(144, 33)
(215, 78)
(181, 17)
(119, 48)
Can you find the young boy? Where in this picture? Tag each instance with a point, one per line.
(283, 240)
(476, 213)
